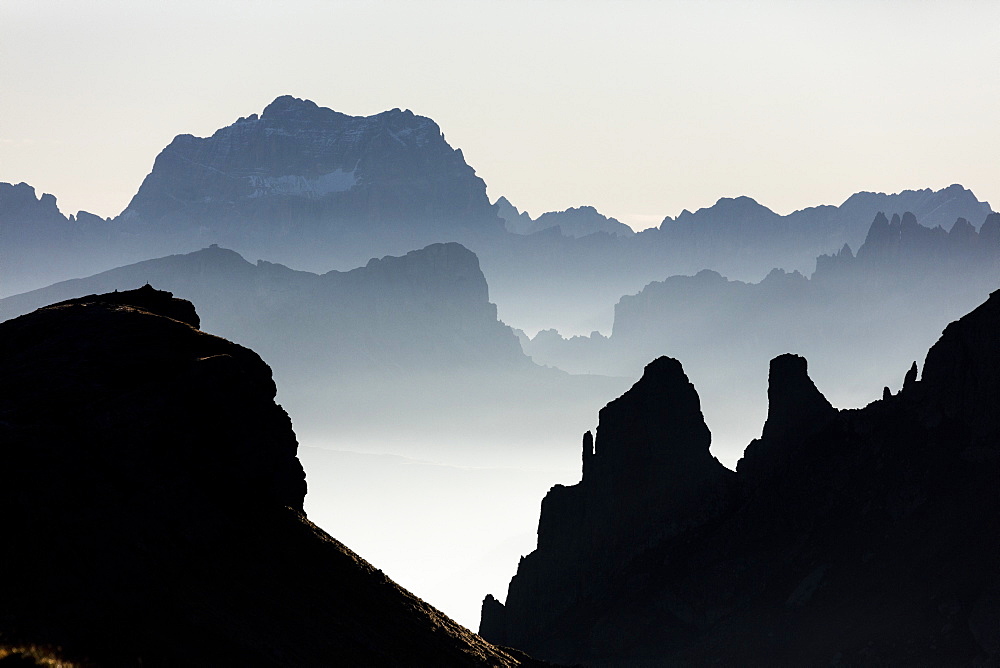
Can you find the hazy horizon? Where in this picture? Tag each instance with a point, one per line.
(640, 111)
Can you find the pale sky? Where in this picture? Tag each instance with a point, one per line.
(638, 108)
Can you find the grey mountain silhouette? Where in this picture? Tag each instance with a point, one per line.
(412, 337)
(856, 537)
(315, 189)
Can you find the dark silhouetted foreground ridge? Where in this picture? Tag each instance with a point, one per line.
(151, 504)
(853, 537)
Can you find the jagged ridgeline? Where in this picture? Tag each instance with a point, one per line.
(857, 317)
(299, 184)
(317, 190)
(151, 501)
(851, 537)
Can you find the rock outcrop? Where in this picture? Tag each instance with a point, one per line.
(852, 537)
(648, 477)
(303, 182)
(151, 501)
(518, 222)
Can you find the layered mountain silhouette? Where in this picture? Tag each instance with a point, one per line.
(315, 189)
(851, 537)
(151, 500)
(906, 282)
(300, 184)
(428, 309)
(403, 350)
(750, 236)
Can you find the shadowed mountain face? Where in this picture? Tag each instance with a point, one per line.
(302, 175)
(152, 502)
(649, 478)
(862, 537)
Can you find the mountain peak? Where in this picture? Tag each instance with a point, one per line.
(20, 201)
(677, 436)
(724, 212)
(286, 105)
(301, 173)
(795, 406)
(580, 222)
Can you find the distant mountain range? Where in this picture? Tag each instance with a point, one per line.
(300, 184)
(854, 317)
(852, 537)
(271, 224)
(403, 356)
(427, 310)
(743, 225)
(573, 222)
(315, 189)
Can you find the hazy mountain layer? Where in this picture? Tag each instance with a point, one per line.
(429, 309)
(740, 231)
(152, 502)
(863, 537)
(401, 354)
(573, 222)
(857, 318)
(316, 189)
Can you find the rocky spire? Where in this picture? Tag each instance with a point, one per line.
(657, 423)
(796, 410)
(795, 406)
(911, 377)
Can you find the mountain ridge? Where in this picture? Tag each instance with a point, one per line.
(856, 537)
(315, 189)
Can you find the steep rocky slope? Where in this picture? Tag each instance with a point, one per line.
(308, 183)
(151, 501)
(853, 537)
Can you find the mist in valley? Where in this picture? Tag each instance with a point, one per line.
(441, 369)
